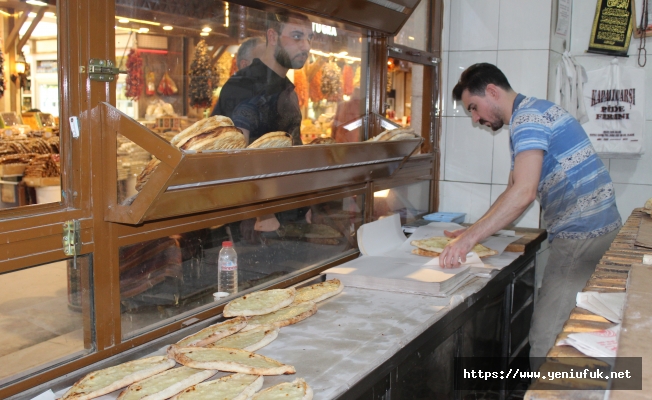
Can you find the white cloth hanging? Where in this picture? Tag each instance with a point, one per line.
(571, 77)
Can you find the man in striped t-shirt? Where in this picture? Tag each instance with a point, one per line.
(554, 161)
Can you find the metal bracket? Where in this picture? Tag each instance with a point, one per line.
(102, 70)
(71, 238)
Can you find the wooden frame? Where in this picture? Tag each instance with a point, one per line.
(636, 18)
(86, 180)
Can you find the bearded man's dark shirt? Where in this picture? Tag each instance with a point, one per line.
(259, 100)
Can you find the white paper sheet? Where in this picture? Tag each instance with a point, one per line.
(376, 237)
(602, 343)
(607, 305)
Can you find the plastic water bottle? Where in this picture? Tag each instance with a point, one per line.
(227, 264)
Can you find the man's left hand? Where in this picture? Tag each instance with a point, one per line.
(455, 252)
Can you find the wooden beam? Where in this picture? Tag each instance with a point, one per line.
(31, 28)
(14, 32)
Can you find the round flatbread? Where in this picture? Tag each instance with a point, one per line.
(213, 333)
(231, 387)
(229, 360)
(272, 139)
(250, 340)
(319, 291)
(166, 384)
(110, 379)
(260, 303)
(199, 127)
(283, 317)
(296, 390)
(432, 247)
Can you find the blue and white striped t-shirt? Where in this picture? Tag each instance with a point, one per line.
(575, 189)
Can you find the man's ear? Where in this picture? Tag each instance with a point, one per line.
(272, 37)
(492, 91)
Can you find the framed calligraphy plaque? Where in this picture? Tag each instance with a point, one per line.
(612, 28)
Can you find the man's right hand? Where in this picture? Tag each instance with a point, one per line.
(454, 233)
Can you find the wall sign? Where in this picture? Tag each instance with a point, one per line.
(325, 29)
(612, 28)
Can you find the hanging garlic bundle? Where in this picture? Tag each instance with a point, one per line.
(331, 81)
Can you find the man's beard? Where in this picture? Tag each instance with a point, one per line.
(497, 123)
(283, 58)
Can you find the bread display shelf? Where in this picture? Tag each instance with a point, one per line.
(41, 182)
(189, 182)
(12, 169)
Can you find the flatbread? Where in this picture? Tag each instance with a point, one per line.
(323, 140)
(199, 127)
(272, 139)
(110, 379)
(250, 340)
(283, 317)
(296, 390)
(319, 291)
(213, 333)
(436, 244)
(222, 138)
(260, 303)
(229, 360)
(166, 384)
(648, 206)
(231, 387)
(395, 134)
(143, 177)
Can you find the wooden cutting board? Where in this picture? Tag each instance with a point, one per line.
(644, 237)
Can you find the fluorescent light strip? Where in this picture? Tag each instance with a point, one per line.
(335, 55)
(140, 21)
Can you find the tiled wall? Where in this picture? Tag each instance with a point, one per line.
(518, 36)
(514, 35)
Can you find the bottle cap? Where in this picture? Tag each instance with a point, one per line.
(227, 244)
(219, 295)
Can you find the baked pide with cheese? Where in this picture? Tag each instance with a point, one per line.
(229, 360)
(98, 383)
(260, 303)
(319, 291)
(283, 317)
(296, 390)
(432, 247)
(250, 340)
(213, 333)
(272, 139)
(231, 387)
(166, 384)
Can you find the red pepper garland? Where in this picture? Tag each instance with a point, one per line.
(202, 78)
(135, 80)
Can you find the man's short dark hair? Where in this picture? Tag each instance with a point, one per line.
(278, 20)
(476, 78)
(246, 48)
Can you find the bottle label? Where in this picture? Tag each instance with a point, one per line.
(229, 266)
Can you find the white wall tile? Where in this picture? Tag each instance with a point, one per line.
(502, 159)
(457, 63)
(442, 146)
(444, 93)
(634, 171)
(634, 43)
(529, 219)
(526, 70)
(474, 25)
(581, 23)
(607, 163)
(469, 152)
(629, 197)
(553, 60)
(470, 198)
(524, 24)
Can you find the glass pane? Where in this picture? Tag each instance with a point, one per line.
(405, 93)
(45, 316)
(30, 170)
(266, 72)
(410, 201)
(171, 277)
(415, 31)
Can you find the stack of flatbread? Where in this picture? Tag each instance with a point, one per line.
(226, 346)
(323, 140)
(214, 133)
(395, 134)
(432, 247)
(272, 139)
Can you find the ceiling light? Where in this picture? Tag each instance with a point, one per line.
(167, 28)
(50, 14)
(37, 3)
(206, 29)
(410, 38)
(204, 34)
(143, 30)
(32, 14)
(140, 21)
(123, 20)
(381, 193)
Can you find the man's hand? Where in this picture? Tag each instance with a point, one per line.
(455, 233)
(455, 252)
